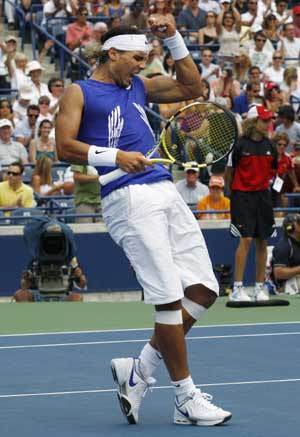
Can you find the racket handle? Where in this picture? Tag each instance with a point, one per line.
(112, 176)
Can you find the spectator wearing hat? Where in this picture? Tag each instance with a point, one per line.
(215, 200)
(100, 28)
(191, 18)
(261, 54)
(79, 33)
(286, 257)
(190, 188)
(26, 129)
(20, 105)
(228, 28)
(296, 20)
(273, 97)
(286, 117)
(39, 88)
(242, 102)
(136, 16)
(13, 192)
(10, 50)
(10, 150)
(248, 176)
(289, 45)
(226, 85)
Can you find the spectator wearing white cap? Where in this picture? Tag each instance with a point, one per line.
(214, 201)
(248, 172)
(10, 150)
(20, 105)
(34, 69)
(190, 189)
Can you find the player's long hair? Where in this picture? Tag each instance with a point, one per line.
(122, 30)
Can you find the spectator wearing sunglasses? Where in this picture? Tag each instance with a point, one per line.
(190, 189)
(261, 55)
(39, 88)
(274, 73)
(79, 33)
(13, 192)
(10, 150)
(26, 129)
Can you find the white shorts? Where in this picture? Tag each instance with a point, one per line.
(161, 239)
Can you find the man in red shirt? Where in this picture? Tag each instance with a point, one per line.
(296, 20)
(248, 175)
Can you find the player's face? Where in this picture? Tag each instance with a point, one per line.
(126, 65)
(262, 126)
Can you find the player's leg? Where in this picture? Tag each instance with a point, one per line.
(23, 296)
(260, 291)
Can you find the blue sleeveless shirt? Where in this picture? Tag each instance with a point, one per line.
(115, 117)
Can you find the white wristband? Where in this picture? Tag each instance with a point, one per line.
(102, 156)
(177, 46)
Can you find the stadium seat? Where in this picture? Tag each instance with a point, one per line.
(21, 216)
(58, 173)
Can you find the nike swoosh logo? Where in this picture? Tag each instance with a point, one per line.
(99, 151)
(131, 381)
(182, 412)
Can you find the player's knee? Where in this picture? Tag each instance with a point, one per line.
(246, 242)
(169, 314)
(201, 295)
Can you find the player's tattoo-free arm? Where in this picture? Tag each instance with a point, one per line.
(163, 89)
(67, 126)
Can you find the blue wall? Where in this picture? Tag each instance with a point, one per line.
(103, 261)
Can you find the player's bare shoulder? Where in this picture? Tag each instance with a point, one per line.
(72, 98)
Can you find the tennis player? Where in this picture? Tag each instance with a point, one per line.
(102, 122)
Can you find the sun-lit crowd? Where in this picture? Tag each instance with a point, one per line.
(247, 52)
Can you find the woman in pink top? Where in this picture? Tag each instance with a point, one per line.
(80, 32)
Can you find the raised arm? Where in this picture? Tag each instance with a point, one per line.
(187, 85)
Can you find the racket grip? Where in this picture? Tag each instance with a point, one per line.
(112, 176)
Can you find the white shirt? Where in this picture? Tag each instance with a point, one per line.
(207, 70)
(191, 196)
(246, 17)
(261, 59)
(37, 93)
(20, 111)
(12, 152)
(209, 6)
(274, 75)
(291, 50)
(18, 79)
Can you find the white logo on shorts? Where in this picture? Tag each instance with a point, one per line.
(115, 126)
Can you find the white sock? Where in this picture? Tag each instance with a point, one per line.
(237, 284)
(259, 284)
(183, 388)
(150, 359)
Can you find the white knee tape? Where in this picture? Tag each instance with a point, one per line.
(169, 317)
(194, 309)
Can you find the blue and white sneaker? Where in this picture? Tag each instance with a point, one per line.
(132, 386)
(197, 409)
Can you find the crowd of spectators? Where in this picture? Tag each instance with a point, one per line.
(247, 52)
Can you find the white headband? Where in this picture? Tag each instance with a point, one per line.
(132, 43)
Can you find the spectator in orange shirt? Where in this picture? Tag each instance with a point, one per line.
(80, 32)
(215, 200)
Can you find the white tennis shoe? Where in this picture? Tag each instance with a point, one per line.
(132, 386)
(261, 293)
(239, 294)
(197, 409)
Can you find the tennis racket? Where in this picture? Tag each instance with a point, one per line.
(201, 133)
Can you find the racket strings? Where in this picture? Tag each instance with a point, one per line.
(201, 133)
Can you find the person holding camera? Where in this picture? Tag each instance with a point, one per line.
(286, 257)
